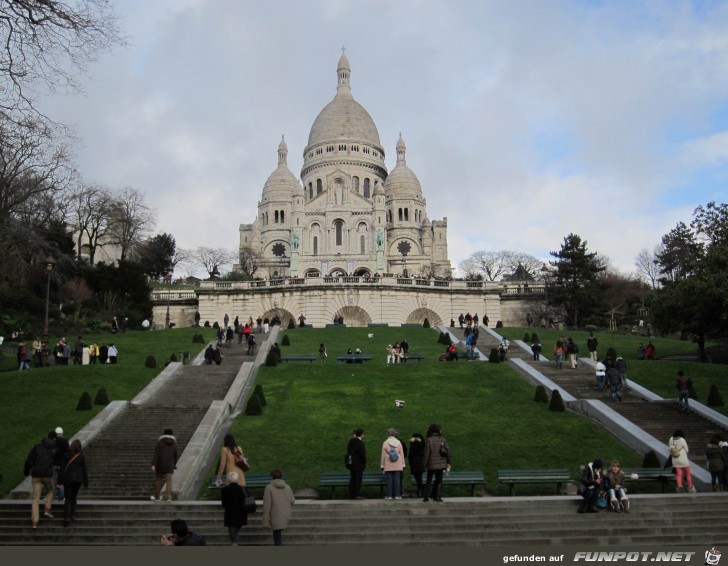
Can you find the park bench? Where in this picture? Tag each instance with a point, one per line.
(353, 358)
(298, 358)
(412, 356)
(512, 477)
(335, 325)
(648, 475)
(453, 477)
(412, 324)
(252, 481)
(341, 479)
(377, 324)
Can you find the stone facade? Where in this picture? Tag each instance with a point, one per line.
(348, 215)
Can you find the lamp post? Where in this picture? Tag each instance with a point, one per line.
(545, 273)
(168, 279)
(50, 263)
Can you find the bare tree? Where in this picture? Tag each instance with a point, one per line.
(249, 261)
(33, 164)
(47, 44)
(89, 215)
(212, 259)
(493, 266)
(648, 266)
(130, 220)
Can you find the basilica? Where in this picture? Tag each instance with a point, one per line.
(348, 215)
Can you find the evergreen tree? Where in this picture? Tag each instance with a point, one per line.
(573, 281)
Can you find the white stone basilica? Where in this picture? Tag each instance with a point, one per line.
(349, 216)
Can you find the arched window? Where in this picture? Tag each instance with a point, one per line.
(406, 213)
(275, 218)
(355, 184)
(400, 214)
(310, 190)
(362, 245)
(339, 226)
(366, 188)
(319, 186)
(315, 245)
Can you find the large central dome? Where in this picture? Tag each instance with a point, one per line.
(343, 118)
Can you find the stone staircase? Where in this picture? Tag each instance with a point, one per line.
(120, 455)
(674, 519)
(656, 418)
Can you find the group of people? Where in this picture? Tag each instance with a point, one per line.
(397, 353)
(430, 454)
(470, 321)
(58, 469)
(646, 352)
(83, 353)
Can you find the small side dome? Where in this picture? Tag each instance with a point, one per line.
(401, 179)
(281, 184)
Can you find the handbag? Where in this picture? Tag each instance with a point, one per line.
(241, 461)
(249, 504)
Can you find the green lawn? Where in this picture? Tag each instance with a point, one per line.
(487, 412)
(40, 399)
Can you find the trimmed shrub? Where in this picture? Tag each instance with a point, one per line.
(452, 323)
(447, 340)
(259, 392)
(207, 324)
(216, 325)
(541, 395)
(198, 339)
(527, 338)
(494, 357)
(499, 324)
(426, 324)
(441, 338)
(286, 340)
(271, 360)
(254, 407)
(557, 402)
(84, 403)
(714, 398)
(173, 358)
(651, 460)
(102, 397)
(291, 324)
(534, 338)
(151, 362)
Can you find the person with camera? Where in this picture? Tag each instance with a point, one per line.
(182, 536)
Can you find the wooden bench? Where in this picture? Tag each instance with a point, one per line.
(298, 358)
(251, 481)
(512, 477)
(473, 479)
(412, 325)
(353, 358)
(648, 475)
(335, 325)
(341, 479)
(377, 324)
(412, 356)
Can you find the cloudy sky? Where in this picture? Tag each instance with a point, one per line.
(524, 120)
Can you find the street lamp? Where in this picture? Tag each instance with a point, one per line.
(49, 263)
(168, 278)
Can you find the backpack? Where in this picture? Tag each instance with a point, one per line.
(393, 456)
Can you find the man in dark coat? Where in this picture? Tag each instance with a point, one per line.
(164, 464)
(209, 354)
(591, 481)
(232, 497)
(357, 450)
(39, 465)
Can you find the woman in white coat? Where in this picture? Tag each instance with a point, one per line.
(679, 451)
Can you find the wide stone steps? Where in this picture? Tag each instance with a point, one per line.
(665, 519)
(119, 459)
(657, 418)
